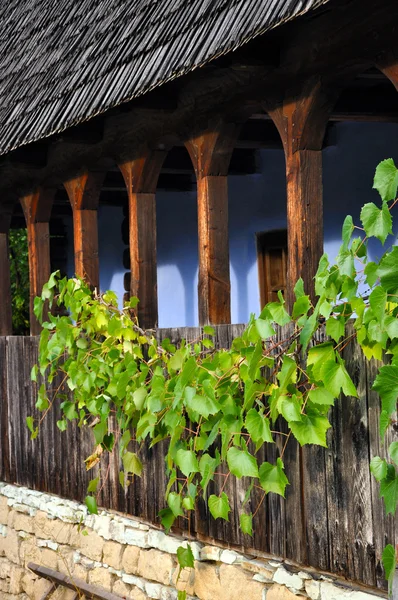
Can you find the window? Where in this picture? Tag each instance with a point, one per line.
(272, 264)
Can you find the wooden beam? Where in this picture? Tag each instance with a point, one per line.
(301, 120)
(84, 192)
(5, 279)
(211, 154)
(141, 177)
(37, 210)
(91, 592)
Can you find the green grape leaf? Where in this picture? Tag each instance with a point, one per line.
(91, 505)
(241, 463)
(299, 289)
(301, 307)
(278, 313)
(336, 379)
(348, 228)
(377, 222)
(321, 396)
(99, 431)
(378, 466)
(335, 328)
(219, 506)
(264, 328)
(393, 452)
(386, 179)
(203, 405)
(387, 271)
(167, 518)
(258, 427)
(371, 273)
(273, 478)
(384, 423)
(386, 385)
(378, 301)
(318, 356)
(310, 430)
(181, 595)
(246, 523)
(389, 560)
(185, 557)
(187, 462)
(174, 502)
(389, 490)
(132, 463)
(92, 486)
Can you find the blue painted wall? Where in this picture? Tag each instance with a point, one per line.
(256, 203)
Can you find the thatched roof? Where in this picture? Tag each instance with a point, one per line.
(65, 61)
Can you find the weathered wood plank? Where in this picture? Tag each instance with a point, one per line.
(334, 513)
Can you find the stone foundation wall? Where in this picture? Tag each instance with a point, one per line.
(135, 560)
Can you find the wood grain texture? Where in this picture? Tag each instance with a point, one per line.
(332, 518)
(84, 192)
(141, 177)
(211, 153)
(5, 286)
(37, 210)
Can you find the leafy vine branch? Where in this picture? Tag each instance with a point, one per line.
(218, 407)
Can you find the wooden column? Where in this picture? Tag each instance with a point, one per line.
(211, 154)
(5, 281)
(301, 120)
(37, 210)
(84, 192)
(141, 176)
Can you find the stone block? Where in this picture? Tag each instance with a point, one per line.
(153, 590)
(5, 568)
(137, 594)
(136, 537)
(210, 553)
(65, 562)
(49, 559)
(237, 584)
(121, 589)
(258, 567)
(28, 582)
(313, 589)
(280, 592)
(16, 580)
(63, 594)
(12, 544)
(155, 565)
(40, 587)
(207, 582)
(130, 559)
(30, 552)
(112, 554)
(101, 577)
(91, 545)
(80, 572)
(334, 592)
(4, 587)
(290, 580)
(186, 581)
(4, 510)
(22, 522)
(53, 529)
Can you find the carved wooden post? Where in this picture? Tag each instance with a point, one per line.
(211, 154)
(5, 281)
(37, 210)
(141, 176)
(301, 120)
(84, 192)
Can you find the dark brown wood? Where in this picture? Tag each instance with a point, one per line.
(211, 154)
(84, 192)
(5, 286)
(91, 592)
(332, 518)
(272, 264)
(37, 210)
(301, 118)
(141, 177)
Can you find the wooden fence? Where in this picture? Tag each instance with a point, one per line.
(332, 518)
